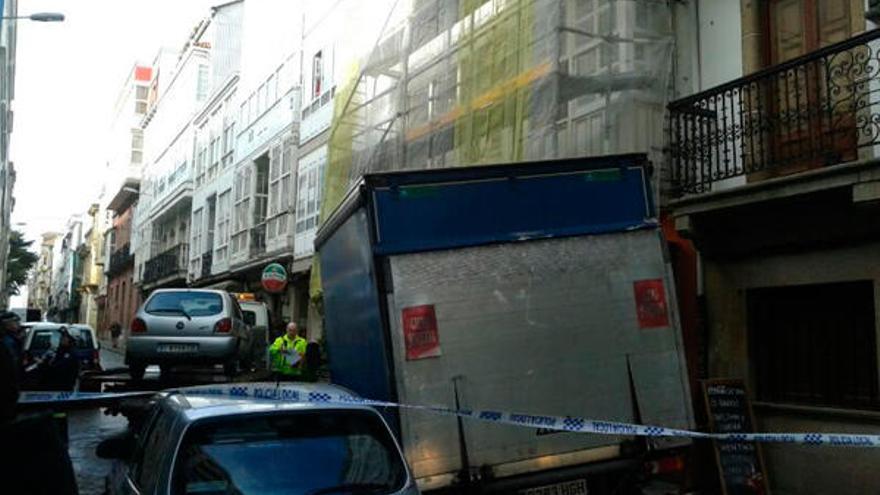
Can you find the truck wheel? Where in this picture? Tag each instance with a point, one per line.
(137, 370)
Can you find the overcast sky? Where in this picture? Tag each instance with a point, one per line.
(67, 78)
(68, 75)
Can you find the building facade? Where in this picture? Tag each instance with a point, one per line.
(215, 145)
(7, 174)
(773, 173)
(122, 296)
(40, 281)
(163, 215)
(65, 297)
(125, 161)
(90, 266)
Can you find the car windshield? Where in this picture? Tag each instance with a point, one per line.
(294, 453)
(185, 303)
(47, 339)
(250, 317)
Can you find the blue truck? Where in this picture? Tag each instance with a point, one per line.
(542, 288)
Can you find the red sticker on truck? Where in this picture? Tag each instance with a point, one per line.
(651, 303)
(420, 332)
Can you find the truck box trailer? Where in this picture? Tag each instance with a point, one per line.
(542, 288)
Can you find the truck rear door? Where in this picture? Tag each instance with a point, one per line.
(546, 327)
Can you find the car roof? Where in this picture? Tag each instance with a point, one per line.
(50, 325)
(195, 406)
(211, 291)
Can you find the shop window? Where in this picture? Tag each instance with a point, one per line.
(815, 344)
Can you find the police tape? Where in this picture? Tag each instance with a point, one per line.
(571, 424)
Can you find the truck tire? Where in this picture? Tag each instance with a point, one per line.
(137, 370)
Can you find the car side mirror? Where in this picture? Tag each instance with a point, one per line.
(121, 447)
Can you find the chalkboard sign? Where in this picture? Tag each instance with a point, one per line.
(740, 464)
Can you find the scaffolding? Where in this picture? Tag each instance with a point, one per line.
(463, 82)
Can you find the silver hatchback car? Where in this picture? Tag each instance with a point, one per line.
(185, 326)
(192, 444)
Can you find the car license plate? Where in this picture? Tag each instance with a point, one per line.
(576, 487)
(178, 348)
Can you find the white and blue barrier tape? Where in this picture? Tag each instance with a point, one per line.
(574, 424)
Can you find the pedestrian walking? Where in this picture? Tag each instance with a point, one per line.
(115, 332)
(287, 352)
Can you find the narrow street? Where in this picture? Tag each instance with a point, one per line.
(86, 429)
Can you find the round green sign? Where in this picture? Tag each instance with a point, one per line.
(274, 277)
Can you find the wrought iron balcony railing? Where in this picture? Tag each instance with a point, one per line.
(817, 110)
(120, 259)
(169, 263)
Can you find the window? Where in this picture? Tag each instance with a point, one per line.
(201, 163)
(308, 196)
(192, 303)
(223, 216)
(228, 141)
(317, 74)
(815, 344)
(202, 83)
(215, 156)
(153, 451)
(324, 452)
(241, 209)
(140, 107)
(196, 248)
(261, 189)
(279, 188)
(142, 92)
(137, 139)
(286, 173)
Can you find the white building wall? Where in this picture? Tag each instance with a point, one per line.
(163, 215)
(215, 155)
(266, 131)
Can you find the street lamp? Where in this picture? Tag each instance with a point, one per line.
(40, 17)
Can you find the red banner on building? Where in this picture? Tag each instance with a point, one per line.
(420, 332)
(651, 303)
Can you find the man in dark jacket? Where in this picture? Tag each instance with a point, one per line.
(33, 459)
(62, 369)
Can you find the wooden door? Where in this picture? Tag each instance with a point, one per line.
(814, 126)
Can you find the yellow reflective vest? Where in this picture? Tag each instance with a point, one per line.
(282, 352)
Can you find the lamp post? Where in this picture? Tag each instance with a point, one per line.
(39, 17)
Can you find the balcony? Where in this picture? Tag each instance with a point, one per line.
(207, 262)
(818, 110)
(166, 266)
(120, 259)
